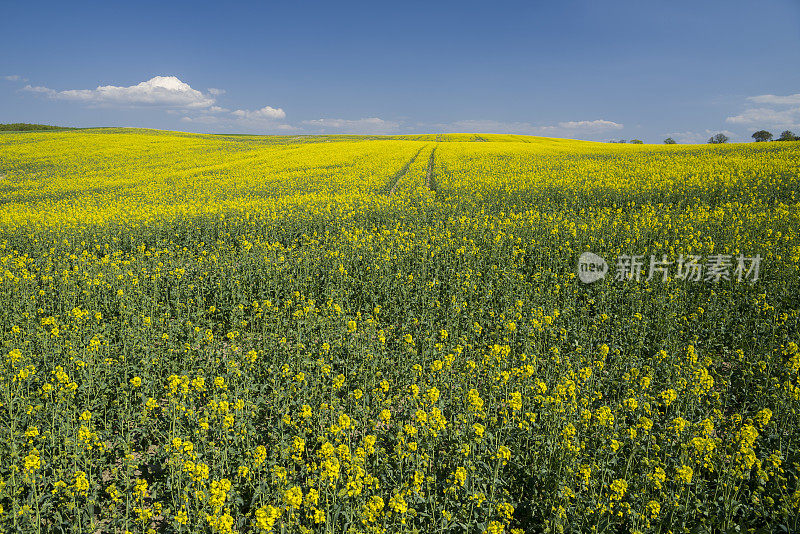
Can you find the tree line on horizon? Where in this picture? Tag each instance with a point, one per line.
(27, 127)
(759, 136)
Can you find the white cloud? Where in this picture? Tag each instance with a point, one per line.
(202, 119)
(371, 125)
(767, 117)
(776, 100)
(773, 112)
(490, 126)
(285, 127)
(166, 91)
(598, 125)
(39, 89)
(566, 128)
(267, 113)
(689, 137)
(15, 78)
(266, 119)
(178, 98)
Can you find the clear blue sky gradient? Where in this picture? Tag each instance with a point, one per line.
(652, 68)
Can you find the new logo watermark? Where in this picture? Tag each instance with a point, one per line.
(716, 268)
(591, 267)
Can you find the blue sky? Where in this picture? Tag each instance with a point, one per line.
(577, 69)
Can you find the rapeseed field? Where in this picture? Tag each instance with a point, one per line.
(389, 334)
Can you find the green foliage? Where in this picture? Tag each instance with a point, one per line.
(718, 139)
(762, 136)
(25, 127)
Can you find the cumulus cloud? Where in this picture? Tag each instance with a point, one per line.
(775, 111)
(371, 125)
(776, 100)
(598, 125)
(166, 91)
(15, 78)
(527, 128)
(267, 113)
(202, 119)
(40, 89)
(690, 137)
(491, 126)
(687, 137)
(767, 117)
(178, 98)
(264, 120)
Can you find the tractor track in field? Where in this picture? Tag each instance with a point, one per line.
(430, 177)
(392, 185)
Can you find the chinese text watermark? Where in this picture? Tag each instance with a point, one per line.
(714, 269)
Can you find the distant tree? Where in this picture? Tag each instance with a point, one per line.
(636, 142)
(762, 136)
(26, 127)
(787, 135)
(669, 141)
(718, 139)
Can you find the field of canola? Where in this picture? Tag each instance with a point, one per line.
(348, 334)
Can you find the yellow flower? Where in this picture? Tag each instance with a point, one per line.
(266, 516)
(658, 477)
(678, 424)
(618, 488)
(293, 497)
(460, 476)
(603, 416)
(668, 396)
(763, 417)
(181, 517)
(503, 454)
(505, 510)
(312, 497)
(684, 474)
(398, 504)
(653, 508)
(475, 400)
(81, 484)
(259, 455)
(32, 461)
